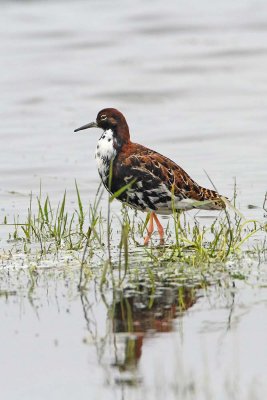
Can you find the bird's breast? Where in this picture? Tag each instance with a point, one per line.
(105, 154)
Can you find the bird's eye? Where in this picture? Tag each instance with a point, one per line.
(103, 117)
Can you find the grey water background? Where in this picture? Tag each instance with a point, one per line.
(191, 79)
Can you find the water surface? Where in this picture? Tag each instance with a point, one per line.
(191, 79)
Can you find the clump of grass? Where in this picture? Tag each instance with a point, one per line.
(115, 243)
(54, 229)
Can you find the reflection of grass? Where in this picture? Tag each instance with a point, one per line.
(54, 229)
(144, 289)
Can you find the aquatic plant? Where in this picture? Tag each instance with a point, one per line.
(113, 241)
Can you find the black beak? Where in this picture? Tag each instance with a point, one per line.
(90, 125)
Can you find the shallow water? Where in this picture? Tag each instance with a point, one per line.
(180, 342)
(191, 80)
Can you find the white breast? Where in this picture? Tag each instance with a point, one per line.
(105, 153)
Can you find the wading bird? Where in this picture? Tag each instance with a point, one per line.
(152, 182)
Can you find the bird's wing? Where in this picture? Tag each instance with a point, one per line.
(155, 175)
(147, 165)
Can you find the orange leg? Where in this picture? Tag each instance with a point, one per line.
(160, 228)
(150, 230)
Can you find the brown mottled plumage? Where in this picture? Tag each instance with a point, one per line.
(142, 163)
(156, 184)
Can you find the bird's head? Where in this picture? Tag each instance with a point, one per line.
(110, 119)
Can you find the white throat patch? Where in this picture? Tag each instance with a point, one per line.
(105, 153)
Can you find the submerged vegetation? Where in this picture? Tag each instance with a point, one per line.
(98, 257)
(114, 241)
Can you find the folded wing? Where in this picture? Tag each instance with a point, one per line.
(158, 183)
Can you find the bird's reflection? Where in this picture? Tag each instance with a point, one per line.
(137, 314)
